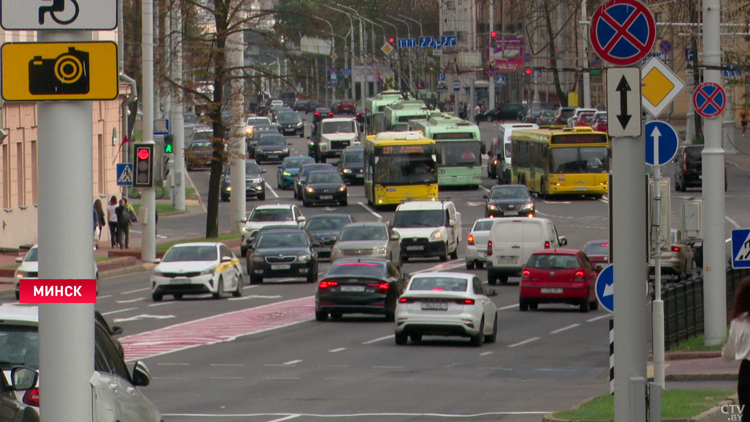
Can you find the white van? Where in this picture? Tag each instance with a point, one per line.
(513, 240)
(500, 159)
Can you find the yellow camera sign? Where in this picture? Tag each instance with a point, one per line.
(59, 71)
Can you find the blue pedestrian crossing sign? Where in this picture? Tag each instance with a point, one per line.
(500, 80)
(666, 136)
(124, 174)
(741, 248)
(605, 288)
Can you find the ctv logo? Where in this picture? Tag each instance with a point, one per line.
(734, 412)
(57, 291)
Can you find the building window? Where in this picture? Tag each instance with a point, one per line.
(34, 173)
(100, 165)
(6, 176)
(20, 175)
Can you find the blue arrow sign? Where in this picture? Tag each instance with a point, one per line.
(427, 41)
(124, 174)
(741, 248)
(666, 136)
(448, 41)
(605, 288)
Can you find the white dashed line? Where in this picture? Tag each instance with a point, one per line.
(290, 417)
(130, 300)
(486, 353)
(524, 342)
(508, 307)
(599, 317)
(377, 340)
(117, 312)
(483, 188)
(162, 304)
(273, 192)
(226, 378)
(173, 364)
(368, 209)
(560, 330)
(340, 349)
(292, 362)
(135, 291)
(734, 223)
(103, 297)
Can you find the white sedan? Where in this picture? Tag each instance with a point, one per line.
(197, 268)
(446, 304)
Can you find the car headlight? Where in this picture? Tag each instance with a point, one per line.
(347, 171)
(229, 188)
(493, 207)
(304, 258)
(259, 187)
(157, 273)
(286, 173)
(299, 124)
(208, 271)
(437, 234)
(342, 189)
(21, 274)
(381, 250)
(310, 190)
(529, 205)
(285, 151)
(258, 259)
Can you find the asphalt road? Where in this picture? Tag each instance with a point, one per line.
(267, 359)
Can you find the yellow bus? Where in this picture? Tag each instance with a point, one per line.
(561, 161)
(400, 166)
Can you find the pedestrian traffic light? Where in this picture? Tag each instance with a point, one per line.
(143, 165)
(168, 139)
(391, 40)
(493, 34)
(528, 71)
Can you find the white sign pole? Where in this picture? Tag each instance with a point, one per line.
(658, 305)
(148, 195)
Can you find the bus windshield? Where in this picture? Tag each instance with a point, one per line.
(459, 154)
(405, 169)
(578, 160)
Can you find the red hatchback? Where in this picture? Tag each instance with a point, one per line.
(558, 276)
(346, 106)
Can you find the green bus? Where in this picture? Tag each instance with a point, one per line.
(397, 115)
(374, 107)
(459, 146)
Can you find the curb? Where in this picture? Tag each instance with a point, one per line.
(124, 271)
(701, 377)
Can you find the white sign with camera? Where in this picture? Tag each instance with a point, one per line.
(58, 14)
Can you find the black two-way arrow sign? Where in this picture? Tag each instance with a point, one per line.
(624, 101)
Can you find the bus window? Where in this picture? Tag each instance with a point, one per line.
(459, 153)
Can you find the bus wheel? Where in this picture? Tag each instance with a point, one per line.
(597, 196)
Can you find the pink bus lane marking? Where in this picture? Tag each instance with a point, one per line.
(218, 328)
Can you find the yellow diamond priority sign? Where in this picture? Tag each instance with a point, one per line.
(387, 48)
(59, 71)
(660, 86)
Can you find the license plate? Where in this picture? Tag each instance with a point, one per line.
(511, 213)
(352, 288)
(281, 267)
(507, 260)
(581, 188)
(180, 280)
(324, 197)
(415, 248)
(700, 176)
(360, 175)
(435, 306)
(273, 156)
(552, 290)
(289, 130)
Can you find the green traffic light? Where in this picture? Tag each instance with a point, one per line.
(168, 148)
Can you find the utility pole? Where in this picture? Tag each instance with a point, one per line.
(492, 86)
(586, 71)
(178, 118)
(237, 146)
(411, 73)
(148, 195)
(714, 281)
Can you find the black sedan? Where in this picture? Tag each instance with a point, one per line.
(258, 130)
(255, 185)
(290, 123)
(325, 229)
(351, 165)
(359, 285)
(322, 113)
(324, 186)
(282, 253)
(271, 147)
(301, 178)
(509, 201)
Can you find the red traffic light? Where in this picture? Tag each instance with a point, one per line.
(391, 40)
(493, 34)
(143, 153)
(528, 71)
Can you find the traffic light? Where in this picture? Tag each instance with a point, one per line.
(143, 166)
(168, 139)
(527, 71)
(493, 34)
(391, 40)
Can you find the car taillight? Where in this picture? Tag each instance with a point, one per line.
(358, 114)
(546, 245)
(330, 113)
(381, 286)
(684, 162)
(526, 274)
(489, 248)
(465, 301)
(405, 300)
(675, 248)
(317, 113)
(31, 397)
(579, 275)
(327, 283)
(470, 239)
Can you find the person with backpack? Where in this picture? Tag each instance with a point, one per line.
(126, 218)
(114, 234)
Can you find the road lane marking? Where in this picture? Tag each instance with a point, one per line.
(162, 303)
(368, 209)
(560, 330)
(143, 316)
(130, 300)
(734, 223)
(226, 378)
(598, 318)
(728, 240)
(285, 418)
(135, 291)
(521, 343)
(486, 353)
(483, 188)
(508, 307)
(254, 297)
(340, 349)
(354, 416)
(273, 192)
(292, 362)
(103, 297)
(378, 339)
(120, 311)
(173, 364)
(226, 364)
(444, 266)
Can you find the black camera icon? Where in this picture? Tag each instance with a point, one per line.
(68, 73)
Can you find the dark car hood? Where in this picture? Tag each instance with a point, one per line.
(320, 187)
(270, 147)
(292, 172)
(282, 251)
(288, 122)
(353, 166)
(501, 201)
(324, 235)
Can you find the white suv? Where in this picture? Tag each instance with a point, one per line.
(427, 229)
(267, 215)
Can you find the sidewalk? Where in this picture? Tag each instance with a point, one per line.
(696, 366)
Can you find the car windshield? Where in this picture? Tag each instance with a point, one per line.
(459, 153)
(353, 157)
(282, 240)
(191, 253)
(694, 154)
(596, 249)
(367, 269)
(252, 121)
(264, 129)
(553, 262)
(271, 214)
(252, 168)
(419, 218)
(326, 177)
(327, 223)
(200, 145)
(305, 171)
(363, 233)
(510, 192)
(565, 113)
(32, 255)
(339, 127)
(447, 284)
(578, 160)
(272, 140)
(190, 118)
(19, 346)
(288, 117)
(199, 136)
(485, 225)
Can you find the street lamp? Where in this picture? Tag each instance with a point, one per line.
(363, 85)
(408, 31)
(398, 53)
(420, 36)
(351, 31)
(333, 51)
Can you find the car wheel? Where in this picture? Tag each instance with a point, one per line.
(492, 337)
(444, 255)
(683, 187)
(243, 252)
(503, 279)
(469, 265)
(480, 264)
(454, 254)
(321, 316)
(224, 198)
(238, 292)
(156, 297)
(594, 305)
(533, 306)
(416, 337)
(491, 279)
(322, 159)
(401, 339)
(262, 196)
(295, 193)
(256, 279)
(312, 277)
(18, 295)
(336, 315)
(523, 305)
(344, 202)
(219, 289)
(478, 339)
(305, 203)
(584, 306)
(177, 296)
(390, 315)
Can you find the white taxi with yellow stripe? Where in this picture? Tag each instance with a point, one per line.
(196, 269)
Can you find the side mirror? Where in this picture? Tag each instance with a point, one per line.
(157, 260)
(23, 378)
(316, 244)
(406, 276)
(563, 240)
(492, 293)
(485, 197)
(141, 375)
(396, 236)
(226, 258)
(301, 219)
(243, 220)
(251, 246)
(451, 222)
(263, 170)
(279, 167)
(19, 260)
(116, 331)
(288, 144)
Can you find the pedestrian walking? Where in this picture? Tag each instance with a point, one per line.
(738, 343)
(99, 222)
(744, 117)
(125, 218)
(112, 221)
